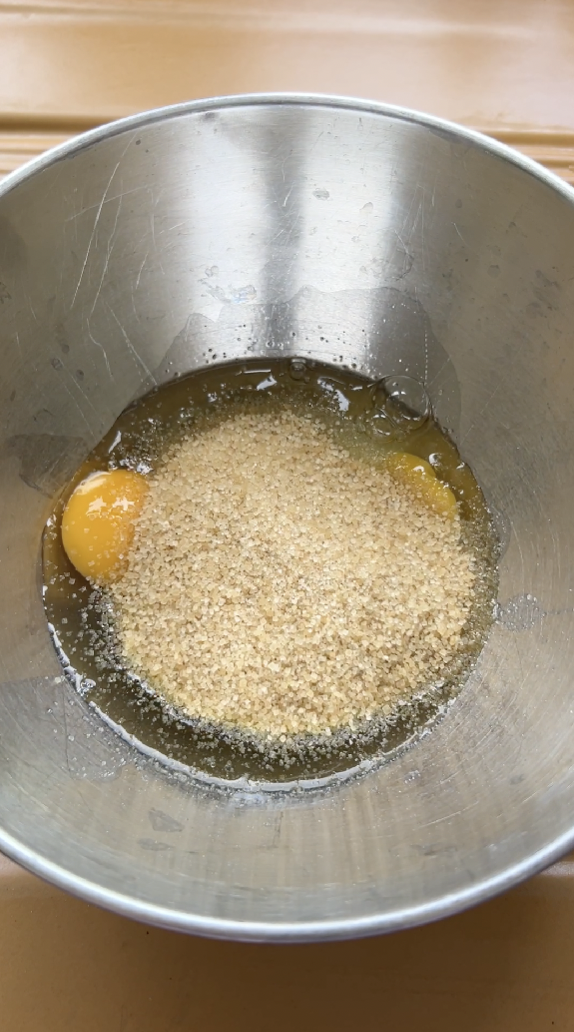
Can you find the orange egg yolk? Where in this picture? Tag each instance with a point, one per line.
(98, 522)
(419, 476)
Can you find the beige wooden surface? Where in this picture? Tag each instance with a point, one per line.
(506, 966)
(489, 62)
(506, 67)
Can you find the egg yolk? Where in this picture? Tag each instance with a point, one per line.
(418, 475)
(98, 522)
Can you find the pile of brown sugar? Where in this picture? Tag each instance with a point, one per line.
(281, 585)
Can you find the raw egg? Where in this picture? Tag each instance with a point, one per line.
(98, 522)
(419, 476)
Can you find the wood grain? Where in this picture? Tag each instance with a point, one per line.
(74, 63)
(503, 66)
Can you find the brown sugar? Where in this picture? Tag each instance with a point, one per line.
(282, 585)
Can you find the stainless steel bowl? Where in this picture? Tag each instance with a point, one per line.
(354, 233)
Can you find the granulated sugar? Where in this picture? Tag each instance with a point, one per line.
(279, 584)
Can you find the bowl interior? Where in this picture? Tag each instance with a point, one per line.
(360, 236)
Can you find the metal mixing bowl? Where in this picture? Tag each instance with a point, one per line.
(353, 233)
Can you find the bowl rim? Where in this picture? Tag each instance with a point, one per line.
(283, 931)
(295, 931)
(81, 141)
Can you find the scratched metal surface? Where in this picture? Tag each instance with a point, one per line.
(377, 238)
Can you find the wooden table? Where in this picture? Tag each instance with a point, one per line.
(504, 66)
